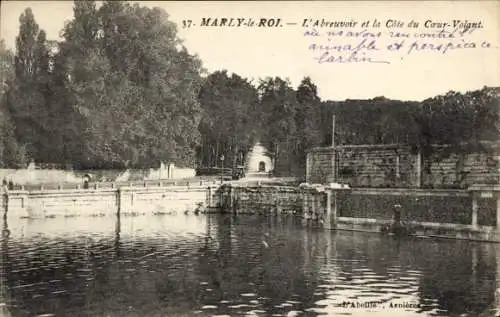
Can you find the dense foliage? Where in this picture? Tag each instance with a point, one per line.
(120, 90)
(12, 154)
(228, 125)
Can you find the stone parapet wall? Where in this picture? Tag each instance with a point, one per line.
(256, 199)
(397, 166)
(477, 168)
(96, 202)
(387, 166)
(320, 166)
(445, 207)
(268, 199)
(451, 213)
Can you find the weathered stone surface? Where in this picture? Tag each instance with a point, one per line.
(397, 166)
(97, 202)
(269, 199)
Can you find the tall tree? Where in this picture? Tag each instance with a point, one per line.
(27, 96)
(133, 85)
(11, 153)
(278, 102)
(228, 125)
(308, 118)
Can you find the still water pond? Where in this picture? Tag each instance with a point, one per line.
(187, 265)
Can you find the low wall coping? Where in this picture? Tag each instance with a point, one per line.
(485, 187)
(430, 225)
(411, 191)
(358, 146)
(162, 189)
(491, 144)
(62, 192)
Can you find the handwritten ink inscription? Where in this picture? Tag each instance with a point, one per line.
(348, 40)
(343, 42)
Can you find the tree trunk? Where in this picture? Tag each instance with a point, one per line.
(217, 153)
(235, 155)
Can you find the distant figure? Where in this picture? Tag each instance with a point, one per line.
(4, 187)
(11, 185)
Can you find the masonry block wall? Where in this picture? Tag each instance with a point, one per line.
(81, 202)
(252, 199)
(269, 199)
(475, 168)
(381, 166)
(397, 166)
(320, 165)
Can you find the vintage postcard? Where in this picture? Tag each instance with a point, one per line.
(267, 158)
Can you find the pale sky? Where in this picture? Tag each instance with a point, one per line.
(254, 52)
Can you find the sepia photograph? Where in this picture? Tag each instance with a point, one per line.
(249, 158)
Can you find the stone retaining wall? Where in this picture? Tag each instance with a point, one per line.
(396, 166)
(269, 199)
(92, 202)
(375, 167)
(256, 199)
(463, 214)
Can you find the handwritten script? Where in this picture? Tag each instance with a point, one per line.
(384, 42)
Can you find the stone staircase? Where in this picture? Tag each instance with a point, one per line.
(256, 175)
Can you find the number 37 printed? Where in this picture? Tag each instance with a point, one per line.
(186, 24)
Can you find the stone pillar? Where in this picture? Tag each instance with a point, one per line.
(319, 204)
(474, 209)
(304, 203)
(308, 167)
(231, 200)
(418, 170)
(118, 201)
(209, 196)
(315, 204)
(312, 205)
(331, 209)
(5, 203)
(328, 210)
(335, 209)
(498, 210)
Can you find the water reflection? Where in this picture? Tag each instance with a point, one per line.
(236, 266)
